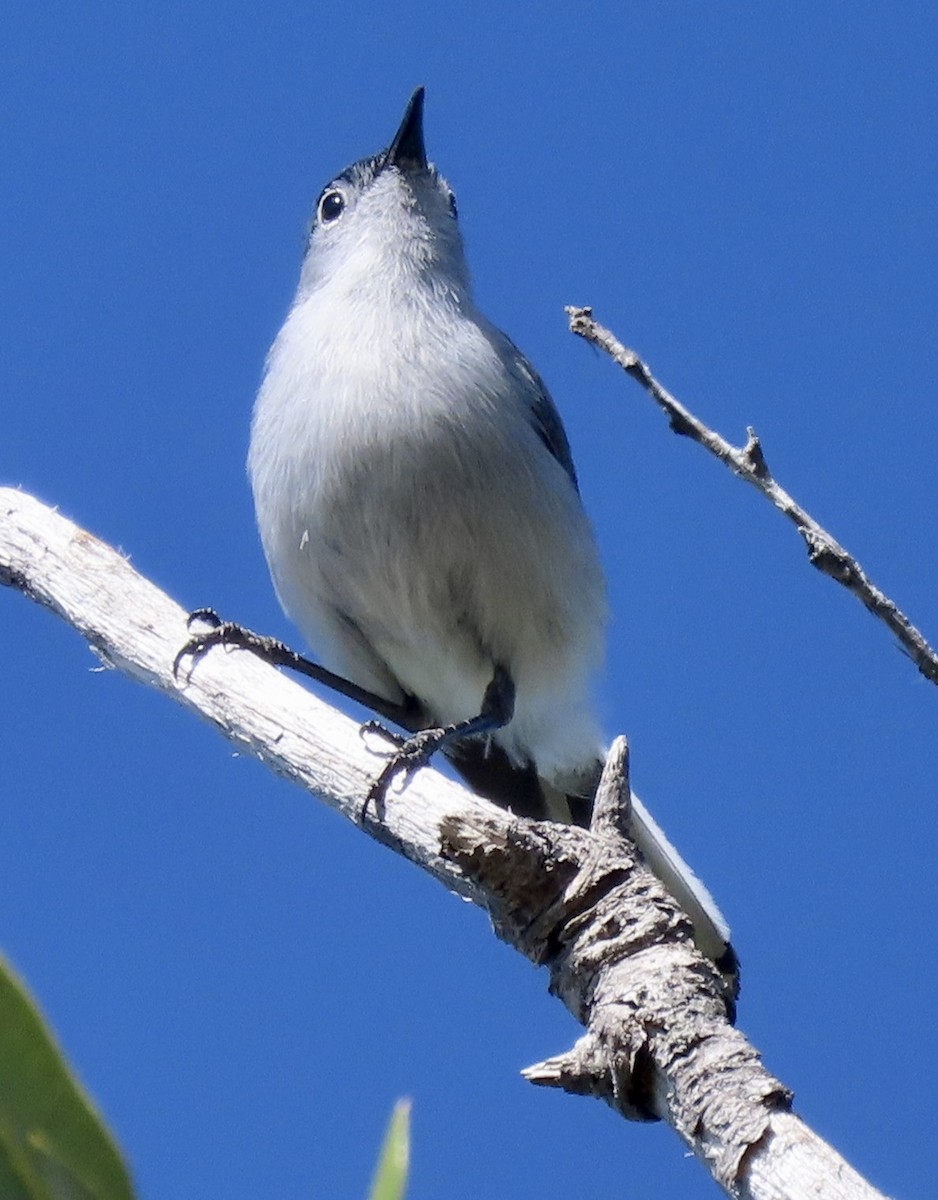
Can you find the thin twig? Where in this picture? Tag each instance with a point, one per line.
(748, 462)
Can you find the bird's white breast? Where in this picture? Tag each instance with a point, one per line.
(405, 499)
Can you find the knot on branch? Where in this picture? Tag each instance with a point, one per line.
(621, 957)
(566, 895)
(582, 903)
(587, 1069)
(829, 558)
(581, 317)
(619, 950)
(10, 577)
(754, 457)
(679, 424)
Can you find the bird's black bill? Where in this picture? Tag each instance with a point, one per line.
(407, 151)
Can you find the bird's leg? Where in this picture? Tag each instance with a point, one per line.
(498, 707)
(278, 654)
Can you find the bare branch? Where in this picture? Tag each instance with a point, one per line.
(619, 952)
(748, 462)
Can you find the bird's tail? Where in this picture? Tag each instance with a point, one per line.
(488, 769)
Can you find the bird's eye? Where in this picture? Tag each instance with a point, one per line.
(452, 205)
(331, 206)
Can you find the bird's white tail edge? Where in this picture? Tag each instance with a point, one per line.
(711, 931)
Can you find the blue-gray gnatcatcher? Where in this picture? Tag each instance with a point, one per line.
(419, 510)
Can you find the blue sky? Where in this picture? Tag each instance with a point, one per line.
(746, 194)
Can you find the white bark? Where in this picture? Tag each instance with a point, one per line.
(657, 1042)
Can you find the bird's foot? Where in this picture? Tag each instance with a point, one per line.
(230, 634)
(409, 754)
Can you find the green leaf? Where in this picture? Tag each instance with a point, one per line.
(391, 1175)
(53, 1144)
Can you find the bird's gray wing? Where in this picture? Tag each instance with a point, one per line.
(544, 416)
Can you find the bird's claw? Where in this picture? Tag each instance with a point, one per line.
(378, 729)
(409, 755)
(219, 633)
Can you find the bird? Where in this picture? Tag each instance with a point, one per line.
(420, 512)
